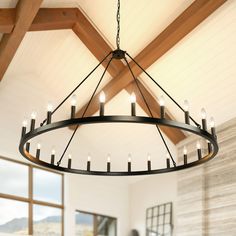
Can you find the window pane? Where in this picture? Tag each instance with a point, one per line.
(13, 217)
(13, 178)
(105, 226)
(47, 221)
(47, 186)
(84, 224)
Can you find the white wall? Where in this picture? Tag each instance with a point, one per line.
(151, 191)
(107, 196)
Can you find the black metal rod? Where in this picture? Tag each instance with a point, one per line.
(213, 131)
(177, 104)
(149, 109)
(209, 147)
(91, 98)
(78, 85)
(27, 148)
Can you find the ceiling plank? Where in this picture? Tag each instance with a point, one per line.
(198, 11)
(45, 19)
(25, 13)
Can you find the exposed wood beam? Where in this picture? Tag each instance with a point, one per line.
(178, 29)
(25, 13)
(45, 19)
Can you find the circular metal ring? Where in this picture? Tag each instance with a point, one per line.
(118, 119)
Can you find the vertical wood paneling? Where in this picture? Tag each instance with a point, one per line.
(207, 194)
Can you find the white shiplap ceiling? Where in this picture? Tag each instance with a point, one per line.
(49, 64)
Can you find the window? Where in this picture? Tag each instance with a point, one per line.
(159, 220)
(31, 200)
(89, 224)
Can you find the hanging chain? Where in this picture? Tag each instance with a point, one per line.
(118, 25)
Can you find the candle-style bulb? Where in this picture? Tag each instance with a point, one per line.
(70, 156)
(24, 123)
(102, 97)
(148, 157)
(203, 113)
(73, 100)
(198, 145)
(133, 98)
(212, 122)
(53, 152)
(186, 105)
(108, 158)
(38, 146)
(33, 115)
(129, 158)
(185, 151)
(162, 101)
(49, 107)
(89, 157)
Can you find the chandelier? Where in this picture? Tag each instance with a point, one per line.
(188, 124)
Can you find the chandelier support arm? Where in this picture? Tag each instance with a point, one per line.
(149, 109)
(91, 98)
(173, 100)
(71, 93)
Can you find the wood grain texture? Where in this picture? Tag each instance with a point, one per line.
(207, 194)
(45, 19)
(25, 13)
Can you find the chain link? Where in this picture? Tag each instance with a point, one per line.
(118, 25)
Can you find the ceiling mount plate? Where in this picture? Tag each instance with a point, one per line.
(118, 54)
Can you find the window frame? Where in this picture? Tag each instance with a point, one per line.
(31, 202)
(94, 219)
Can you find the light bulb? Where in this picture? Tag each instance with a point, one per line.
(203, 113)
(73, 100)
(198, 145)
(129, 158)
(212, 122)
(53, 152)
(185, 151)
(133, 98)
(167, 155)
(50, 107)
(108, 158)
(102, 97)
(186, 105)
(69, 156)
(24, 123)
(149, 157)
(38, 146)
(89, 157)
(162, 101)
(33, 115)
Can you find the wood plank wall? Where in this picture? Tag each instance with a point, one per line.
(206, 203)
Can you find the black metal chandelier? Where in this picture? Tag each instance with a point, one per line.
(189, 125)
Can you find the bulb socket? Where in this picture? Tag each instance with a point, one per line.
(52, 159)
(185, 159)
(27, 148)
(162, 108)
(73, 108)
(102, 108)
(186, 116)
(38, 153)
(168, 162)
(204, 124)
(129, 166)
(133, 109)
(69, 163)
(209, 147)
(88, 165)
(23, 131)
(49, 117)
(32, 125)
(149, 165)
(108, 167)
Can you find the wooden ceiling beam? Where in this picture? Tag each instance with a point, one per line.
(45, 19)
(177, 30)
(26, 10)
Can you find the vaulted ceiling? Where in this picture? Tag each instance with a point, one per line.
(49, 46)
